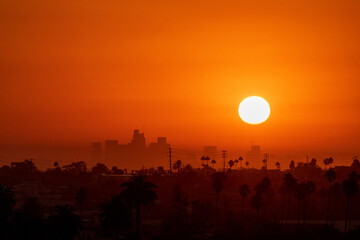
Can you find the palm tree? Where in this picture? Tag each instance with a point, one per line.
(328, 161)
(213, 162)
(64, 224)
(207, 159)
(240, 160)
(335, 192)
(289, 182)
(292, 165)
(330, 175)
(7, 202)
(302, 192)
(138, 192)
(236, 162)
(277, 164)
(115, 215)
(244, 191)
(265, 163)
(177, 165)
(264, 190)
(231, 163)
(257, 202)
(218, 184)
(350, 188)
(203, 158)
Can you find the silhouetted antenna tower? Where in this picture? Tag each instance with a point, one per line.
(224, 154)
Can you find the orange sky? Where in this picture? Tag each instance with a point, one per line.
(73, 73)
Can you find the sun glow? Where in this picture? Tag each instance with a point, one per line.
(254, 110)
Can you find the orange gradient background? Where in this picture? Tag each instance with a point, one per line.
(73, 73)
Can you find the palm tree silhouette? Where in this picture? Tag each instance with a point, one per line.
(335, 192)
(218, 184)
(236, 162)
(213, 162)
(138, 192)
(231, 163)
(292, 165)
(64, 224)
(240, 160)
(330, 175)
(328, 161)
(116, 215)
(277, 164)
(244, 191)
(177, 165)
(289, 183)
(350, 188)
(302, 192)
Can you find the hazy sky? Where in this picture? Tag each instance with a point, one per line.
(74, 72)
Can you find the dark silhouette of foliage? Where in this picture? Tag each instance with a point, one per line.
(218, 184)
(330, 175)
(244, 190)
(350, 188)
(28, 221)
(80, 199)
(115, 215)
(64, 224)
(7, 202)
(138, 192)
(100, 168)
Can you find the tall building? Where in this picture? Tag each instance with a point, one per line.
(96, 153)
(254, 154)
(137, 143)
(111, 150)
(135, 154)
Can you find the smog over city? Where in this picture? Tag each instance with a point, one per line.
(179, 120)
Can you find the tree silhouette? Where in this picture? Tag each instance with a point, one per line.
(240, 160)
(177, 165)
(244, 191)
(302, 192)
(264, 190)
(138, 192)
(218, 184)
(231, 163)
(100, 168)
(213, 162)
(289, 183)
(356, 163)
(247, 164)
(28, 221)
(330, 175)
(257, 202)
(292, 165)
(350, 188)
(236, 162)
(328, 161)
(7, 202)
(64, 224)
(277, 164)
(80, 199)
(115, 215)
(335, 192)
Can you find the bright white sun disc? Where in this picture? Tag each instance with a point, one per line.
(254, 110)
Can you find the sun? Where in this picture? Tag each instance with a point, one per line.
(254, 110)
